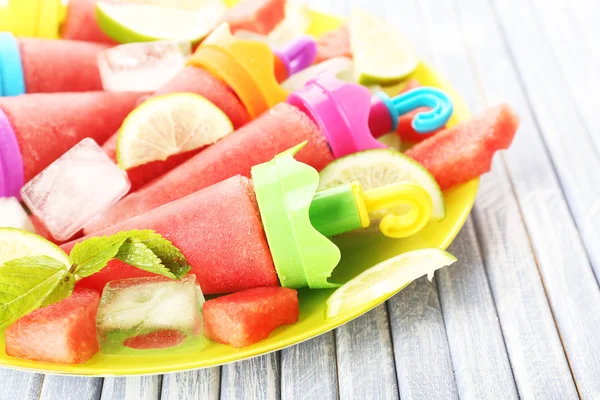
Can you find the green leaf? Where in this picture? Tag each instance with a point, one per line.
(29, 283)
(172, 262)
(91, 255)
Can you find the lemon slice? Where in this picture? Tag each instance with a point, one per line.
(161, 20)
(384, 279)
(375, 168)
(381, 53)
(167, 125)
(17, 243)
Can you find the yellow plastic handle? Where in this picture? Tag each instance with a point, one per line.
(389, 198)
(34, 18)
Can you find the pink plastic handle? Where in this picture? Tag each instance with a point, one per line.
(341, 110)
(11, 163)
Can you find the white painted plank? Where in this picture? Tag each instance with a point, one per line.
(423, 362)
(255, 379)
(479, 356)
(365, 358)
(200, 384)
(20, 385)
(536, 354)
(581, 85)
(308, 370)
(132, 388)
(565, 269)
(70, 388)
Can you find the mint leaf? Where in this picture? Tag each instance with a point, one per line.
(91, 255)
(29, 283)
(172, 262)
(140, 256)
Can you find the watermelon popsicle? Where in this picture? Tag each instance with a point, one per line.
(238, 76)
(36, 129)
(48, 65)
(331, 115)
(256, 231)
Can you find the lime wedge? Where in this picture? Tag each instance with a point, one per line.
(131, 22)
(17, 243)
(167, 125)
(381, 54)
(375, 168)
(384, 279)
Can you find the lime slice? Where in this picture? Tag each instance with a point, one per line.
(381, 54)
(386, 278)
(375, 168)
(128, 23)
(17, 243)
(167, 125)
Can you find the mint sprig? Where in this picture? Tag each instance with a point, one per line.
(29, 283)
(32, 282)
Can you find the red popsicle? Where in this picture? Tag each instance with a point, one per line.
(218, 229)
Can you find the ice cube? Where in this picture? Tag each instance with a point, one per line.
(82, 183)
(142, 67)
(12, 215)
(149, 313)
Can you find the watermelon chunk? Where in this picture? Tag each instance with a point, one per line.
(334, 44)
(63, 332)
(247, 317)
(465, 151)
(260, 16)
(161, 339)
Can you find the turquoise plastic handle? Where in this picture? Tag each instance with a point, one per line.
(427, 121)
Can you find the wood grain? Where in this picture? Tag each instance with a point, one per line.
(565, 269)
(309, 371)
(365, 358)
(70, 388)
(20, 385)
(132, 388)
(255, 379)
(201, 384)
(421, 352)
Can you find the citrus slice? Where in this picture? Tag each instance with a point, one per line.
(386, 278)
(167, 125)
(161, 20)
(17, 243)
(381, 53)
(375, 168)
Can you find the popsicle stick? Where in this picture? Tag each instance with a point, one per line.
(308, 370)
(421, 352)
(566, 273)
(133, 388)
(191, 385)
(70, 388)
(365, 358)
(257, 378)
(20, 385)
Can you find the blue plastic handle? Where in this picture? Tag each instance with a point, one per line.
(424, 122)
(11, 70)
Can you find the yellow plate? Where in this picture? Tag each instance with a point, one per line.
(358, 253)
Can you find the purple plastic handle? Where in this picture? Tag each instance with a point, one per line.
(298, 55)
(11, 163)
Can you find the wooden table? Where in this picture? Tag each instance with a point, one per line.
(519, 315)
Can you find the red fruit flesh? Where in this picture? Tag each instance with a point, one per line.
(279, 129)
(161, 339)
(334, 44)
(63, 333)
(461, 153)
(260, 16)
(247, 317)
(217, 229)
